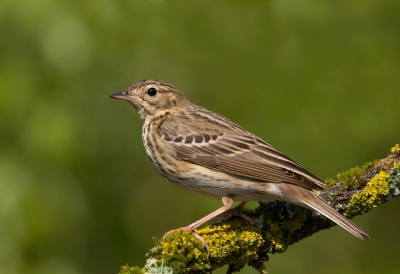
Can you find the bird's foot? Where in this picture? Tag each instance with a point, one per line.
(192, 231)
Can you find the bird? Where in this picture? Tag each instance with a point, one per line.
(206, 153)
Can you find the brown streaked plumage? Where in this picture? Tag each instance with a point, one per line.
(208, 154)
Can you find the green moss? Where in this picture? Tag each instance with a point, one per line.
(126, 269)
(371, 196)
(280, 225)
(330, 182)
(226, 240)
(354, 177)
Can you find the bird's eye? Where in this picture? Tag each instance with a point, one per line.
(152, 92)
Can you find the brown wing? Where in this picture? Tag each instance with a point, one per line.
(237, 152)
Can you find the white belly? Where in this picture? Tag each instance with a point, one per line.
(215, 184)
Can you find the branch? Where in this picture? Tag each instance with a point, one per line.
(236, 243)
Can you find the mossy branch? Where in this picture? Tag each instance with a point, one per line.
(236, 243)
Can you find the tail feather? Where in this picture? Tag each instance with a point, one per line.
(318, 204)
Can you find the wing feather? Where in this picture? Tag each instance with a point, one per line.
(240, 154)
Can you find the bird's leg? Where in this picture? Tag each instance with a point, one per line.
(236, 211)
(228, 202)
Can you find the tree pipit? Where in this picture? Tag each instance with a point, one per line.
(208, 154)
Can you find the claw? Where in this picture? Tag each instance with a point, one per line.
(193, 232)
(223, 213)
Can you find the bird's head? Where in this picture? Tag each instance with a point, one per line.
(152, 98)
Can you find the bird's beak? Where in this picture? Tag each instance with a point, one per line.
(123, 95)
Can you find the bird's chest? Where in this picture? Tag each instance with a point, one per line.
(176, 171)
(150, 145)
(157, 152)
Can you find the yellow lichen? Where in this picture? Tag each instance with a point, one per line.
(395, 149)
(226, 241)
(182, 252)
(371, 196)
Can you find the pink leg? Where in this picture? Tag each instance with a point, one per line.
(228, 202)
(236, 211)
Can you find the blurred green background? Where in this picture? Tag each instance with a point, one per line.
(319, 80)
